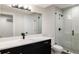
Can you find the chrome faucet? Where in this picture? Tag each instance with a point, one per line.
(23, 35)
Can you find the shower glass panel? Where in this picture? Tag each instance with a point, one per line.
(75, 38)
(71, 34)
(67, 34)
(71, 29)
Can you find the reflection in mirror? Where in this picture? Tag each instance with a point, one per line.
(6, 25)
(28, 24)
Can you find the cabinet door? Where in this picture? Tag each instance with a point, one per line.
(46, 47)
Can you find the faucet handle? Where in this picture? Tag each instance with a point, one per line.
(26, 32)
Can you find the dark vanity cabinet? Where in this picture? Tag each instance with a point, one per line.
(42, 47)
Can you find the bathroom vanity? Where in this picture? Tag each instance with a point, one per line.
(15, 22)
(31, 45)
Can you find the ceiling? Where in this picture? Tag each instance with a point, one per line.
(57, 5)
(62, 6)
(43, 5)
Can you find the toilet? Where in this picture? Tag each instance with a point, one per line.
(56, 48)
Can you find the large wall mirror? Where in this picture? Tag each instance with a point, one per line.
(19, 22)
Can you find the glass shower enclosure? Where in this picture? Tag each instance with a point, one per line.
(68, 35)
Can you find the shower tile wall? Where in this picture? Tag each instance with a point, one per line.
(67, 30)
(59, 28)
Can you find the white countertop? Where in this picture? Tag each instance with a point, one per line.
(18, 41)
